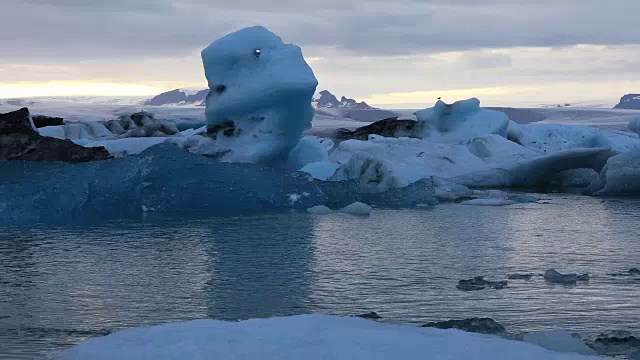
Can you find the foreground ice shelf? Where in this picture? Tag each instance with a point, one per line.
(306, 337)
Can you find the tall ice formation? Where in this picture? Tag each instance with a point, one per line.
(260, 95)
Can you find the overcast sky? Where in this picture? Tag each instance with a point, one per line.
(402, 52)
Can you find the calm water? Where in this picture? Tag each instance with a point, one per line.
(60, 285)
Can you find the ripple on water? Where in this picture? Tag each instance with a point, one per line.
(60, 285)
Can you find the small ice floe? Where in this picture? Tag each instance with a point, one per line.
(489, 202)
(370, 315)
(555, 277)
(630, 272)
(357, 208)
(319, 210)
(474, 325)
(559, 340)
(519, 276)
(479, 283)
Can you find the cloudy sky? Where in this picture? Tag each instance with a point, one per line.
(401, 53)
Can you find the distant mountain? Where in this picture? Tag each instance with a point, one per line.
(629, 101)
(323, 100)
(179, 97)
(326, 100)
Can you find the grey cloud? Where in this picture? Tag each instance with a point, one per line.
(64, 30)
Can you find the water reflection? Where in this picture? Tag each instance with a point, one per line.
(60, 285)
(260, 266)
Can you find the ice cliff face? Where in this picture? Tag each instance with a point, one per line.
(260, 95)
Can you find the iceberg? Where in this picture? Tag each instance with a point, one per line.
(163, 179)
(380, 164)
(634, 125)
(460, 122)
(550, 138)
(309, 150)
(166, 179)
(76, 131)
(311, 337)
(619, 177)
(259, 102)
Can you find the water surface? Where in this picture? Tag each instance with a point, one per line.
(62, 284)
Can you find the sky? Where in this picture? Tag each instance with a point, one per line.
(401, 53)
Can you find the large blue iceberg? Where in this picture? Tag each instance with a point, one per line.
(259, 102)
(165, 179)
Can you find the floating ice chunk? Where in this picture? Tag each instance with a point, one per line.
(384, 163)
(141, 124)
(495, 149)
(373, 174)
(450, 191)
(489, 202)
(555, 277)
(559, 340)
(357, 208)
(260, 95)
(309, 150)
(192, 132)
(124, 147)
(309, 337)
(634, 125)
(620, 176)
(473, 325)
(550, 138)
(460, 122)
(539, 170)
(319, 210)
(321, 170)
(79, 130)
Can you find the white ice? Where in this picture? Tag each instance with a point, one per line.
(489, 202)
(634, 125)
(357, 208)
(309, 337)
(260, 99)
(460, 122)
(319, 210)
(465, 145)
(620, 176)
(310, 149)
(77, 130)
